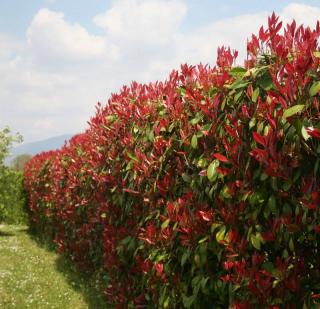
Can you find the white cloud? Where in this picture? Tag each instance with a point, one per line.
(51, 38)
(302, 13)
(51, 81)
(233, 32)
(140, 21)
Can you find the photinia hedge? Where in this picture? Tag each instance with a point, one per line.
(201, 190)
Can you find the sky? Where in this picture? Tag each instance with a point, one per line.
(58, 58)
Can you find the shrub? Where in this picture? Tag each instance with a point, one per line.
(200, 190)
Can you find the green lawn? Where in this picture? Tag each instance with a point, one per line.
(33, 277)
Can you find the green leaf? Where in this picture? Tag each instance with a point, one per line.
(238, 96)
(212, 170)
(291, 245)
(132, 157)
(293, 110)
(237, 71)
(195, 120)
(285, 253)
(188, 301)
(304, 133)
(196, 281)
(165, 224)
(194, 142)
(111, 118)
(251, 72)
(221, 234)
(265, 81)
(238, 84)
(206, 127)
(185, 257)
(150, 134)
(252, 123)
(202, 240)
(126, 240)
(255, 95)
(186, 177)
(182, 91)
(314, 89)
(202, 163)
(316, 54)
(260, 127)
(287, 185)
(204, 281)
(214, 226)
(272, 204)
(255, 241)
(225, 192)
(166, 302)
(268, 266)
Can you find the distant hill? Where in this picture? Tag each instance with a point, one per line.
(39, 146)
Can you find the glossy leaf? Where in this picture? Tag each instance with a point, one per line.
(293, 110)
(314, 89)
(212, 170)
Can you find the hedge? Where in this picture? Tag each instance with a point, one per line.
(201, 190)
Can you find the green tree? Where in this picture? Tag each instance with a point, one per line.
(20, 161)
(11, 182)
(6, 141)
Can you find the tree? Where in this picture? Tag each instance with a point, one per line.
(6, 141)
(11, 182)
(20, 161)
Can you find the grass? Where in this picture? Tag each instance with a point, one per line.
(31, 276)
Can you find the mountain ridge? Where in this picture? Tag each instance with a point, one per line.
(36, 147)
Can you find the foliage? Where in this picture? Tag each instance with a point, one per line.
(6, 140)
(19, 162)
(200, 190)
(12, 199)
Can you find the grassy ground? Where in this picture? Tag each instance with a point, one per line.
(33, 277)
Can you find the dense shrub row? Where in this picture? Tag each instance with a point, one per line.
(201, 190)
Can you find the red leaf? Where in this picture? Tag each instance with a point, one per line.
(159, 268)
(206, 215)
(228, 265)
(271, 121)
(259, 139)
(221, 157)
(230, 131)
(259, 154)
(313, 132)
(131, 191)
(262, 34)
(223, 171)
(245, 111)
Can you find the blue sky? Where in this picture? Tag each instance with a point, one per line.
(16, 15)
(59, 57)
